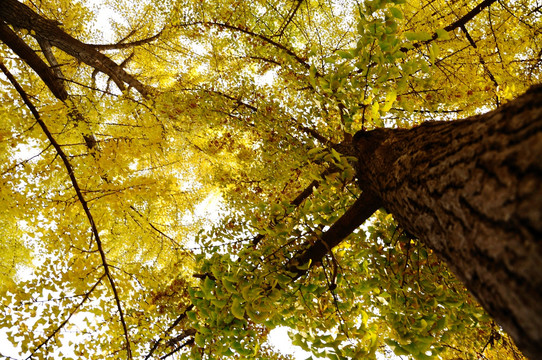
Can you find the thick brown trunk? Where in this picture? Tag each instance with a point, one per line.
(471, 190)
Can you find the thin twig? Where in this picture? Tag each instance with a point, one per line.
(52, 335)
(171, 327)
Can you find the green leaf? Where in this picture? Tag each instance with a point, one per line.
(199, 339)
(345, 54)
(390, 99)
(375, 113)
(219, 303)
(229, 286)
(250, 292)
(364, 317)
(228, 352)
(418, 36)
(336, 155)
(208, 284)
(284, 279)
(312, 75)
(397, 348)
(433, 51)
(237, 309)
(257, 317)
(442, 34)
(396, 12)
(314, 151)
(385, 46)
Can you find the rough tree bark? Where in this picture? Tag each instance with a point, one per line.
(471, 190)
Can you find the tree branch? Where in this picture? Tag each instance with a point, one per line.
(45, 46)
(251, 33)
(469, 16)
(289, 20)
(311, 132)
(183, 335)
(20, 15)
(459, 23)
(52, 335)
(29, 56)
(48, 76)
(121, 45)
(356, 215)
(189, 342)
(482, 61)
(80, 197)
(299, 198)
(171, 327)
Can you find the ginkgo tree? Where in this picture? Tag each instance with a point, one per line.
(292, 118)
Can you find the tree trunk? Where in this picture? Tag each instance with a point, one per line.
(471, 190)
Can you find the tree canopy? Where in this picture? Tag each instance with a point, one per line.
(161, 173)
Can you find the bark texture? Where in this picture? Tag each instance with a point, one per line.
(471, 190)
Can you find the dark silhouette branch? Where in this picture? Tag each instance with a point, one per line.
(299, 199)
(121, 45)
(290, 18)
(183, 335)
(356, 215)
(171, 327)
(266, 39)
(188, 343)
(49, 75)
(459, 23)
(29, 56)
(469, 16)
(264, 59)
(153, 227)
(482, 61)
(19, 15)
(311, 132)
(80, 197)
